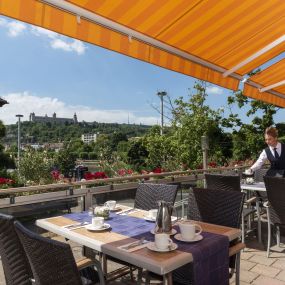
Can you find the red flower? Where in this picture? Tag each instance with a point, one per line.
(96, 175)
(158, 170)
(123, 172)
(6, 181)
(55, 175)
(212, 164)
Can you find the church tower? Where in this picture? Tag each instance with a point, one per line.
(75, 118)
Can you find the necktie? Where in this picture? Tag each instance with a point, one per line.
(276, 153)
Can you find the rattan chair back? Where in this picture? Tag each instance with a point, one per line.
(16, 266)
(223, 182)
(149, 194)
(216, 207)
(52, 262)
(275, 188)
(259, 174)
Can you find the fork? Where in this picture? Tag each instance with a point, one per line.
(134, 244)
(73, 226)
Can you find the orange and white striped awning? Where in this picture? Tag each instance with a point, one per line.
(219, 41)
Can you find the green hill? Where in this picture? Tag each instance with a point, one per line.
(32, 132)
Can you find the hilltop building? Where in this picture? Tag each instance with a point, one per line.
(53, 119)
(88, 138)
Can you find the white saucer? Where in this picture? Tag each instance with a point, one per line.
(173, 232)
(197, 238)
(90, 227)
(151, 246)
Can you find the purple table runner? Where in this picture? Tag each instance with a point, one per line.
(210, 256)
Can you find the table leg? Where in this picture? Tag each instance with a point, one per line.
(258, 220)
(167, 279)
(104, 264)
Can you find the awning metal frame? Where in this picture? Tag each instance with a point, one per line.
(269, 87)
(255, 55)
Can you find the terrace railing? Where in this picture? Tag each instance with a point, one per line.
(85, 190)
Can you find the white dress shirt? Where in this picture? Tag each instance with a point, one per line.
(263, 157)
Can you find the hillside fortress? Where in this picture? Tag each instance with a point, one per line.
(53, 119)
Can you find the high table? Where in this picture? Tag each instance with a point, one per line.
(255, 187)
(108, 242)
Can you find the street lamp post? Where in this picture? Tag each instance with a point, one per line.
(161, 94)
(19, 136)
(205, 148)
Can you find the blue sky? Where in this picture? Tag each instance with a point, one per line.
(44, 72)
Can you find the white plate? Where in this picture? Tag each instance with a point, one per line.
(150, 219)
(90, 227)
(197, 238)
(173, 232)
(152, 247)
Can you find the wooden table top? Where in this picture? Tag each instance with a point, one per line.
(109, 242)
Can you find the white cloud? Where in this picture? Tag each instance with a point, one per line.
(38, 31)
(56, 41)
(214, 90)
(14, 28)
(26, 103)
(75, 45)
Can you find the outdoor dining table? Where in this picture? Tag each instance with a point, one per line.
(256, 186)
(110, 243)
(250, 189)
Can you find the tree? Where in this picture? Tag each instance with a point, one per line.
(137, 154)
(248, 139)
(35, 167)
(192, 119)
(65, 161)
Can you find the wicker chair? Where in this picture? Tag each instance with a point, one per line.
(16, 266)
(52, 262)
(275, 187)
(232, 183)
(220, 208)
(148, 195)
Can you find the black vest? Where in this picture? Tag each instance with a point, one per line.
(277, 165)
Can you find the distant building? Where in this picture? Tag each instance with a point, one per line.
(88, 138)
(53, 119)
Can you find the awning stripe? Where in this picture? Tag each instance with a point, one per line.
(254, 93)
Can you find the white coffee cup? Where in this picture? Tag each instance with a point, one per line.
(248, 171)
(111, 204)
(162, 241)
(152, 213)
(188, 230)
(97, 222)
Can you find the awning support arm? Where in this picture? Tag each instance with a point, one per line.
(280, 83)
(255, 55)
